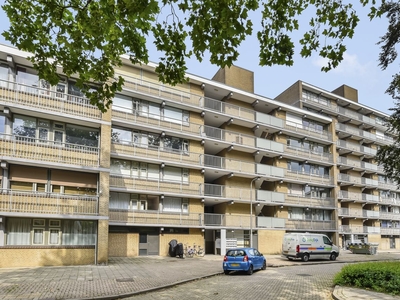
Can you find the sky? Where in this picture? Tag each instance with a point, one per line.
(359, 69)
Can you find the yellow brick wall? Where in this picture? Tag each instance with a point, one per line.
(196, 206)
(123, 244)
(102, 242)
(270, 241)
(12, 258)
(195, 236)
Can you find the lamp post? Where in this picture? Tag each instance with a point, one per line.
(251, 210)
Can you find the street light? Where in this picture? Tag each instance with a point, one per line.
(251, 210)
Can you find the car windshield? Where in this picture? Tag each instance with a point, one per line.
(236, 253)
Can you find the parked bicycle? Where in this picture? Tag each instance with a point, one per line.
(188, 251)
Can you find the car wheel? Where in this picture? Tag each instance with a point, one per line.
(250, 270)
(305, 257)
(333, 256)
(226, 272)
(289, 258)
(264, 267)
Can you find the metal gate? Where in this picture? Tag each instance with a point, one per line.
(149, 244)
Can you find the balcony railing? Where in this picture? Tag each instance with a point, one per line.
(203, 220)
(358, 213)
(47, 203)
(230, 109)
(308, 154)
(390, 231)
(309, 177)
(12, 93)
(308, 131)
(389, 216)
(355, 147)
(310, 225)
(43, 150)
(153, 120)
(308, 201)
(356, 131)
(350, 229)
(159, 90)
(138, 184)
(358, 197)
(387, 185)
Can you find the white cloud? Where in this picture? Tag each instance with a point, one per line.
(350, 66)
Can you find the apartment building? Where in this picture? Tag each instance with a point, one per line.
(207, 163)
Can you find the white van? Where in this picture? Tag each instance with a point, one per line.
(308, 245)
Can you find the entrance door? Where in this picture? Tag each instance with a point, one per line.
(148, 244)
(392, 243)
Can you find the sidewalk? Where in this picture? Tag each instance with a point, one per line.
(124, 277)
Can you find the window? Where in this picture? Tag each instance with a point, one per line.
(178, 205)
(4, 76)
(18, 231)
(120, 200)
(54, 236)
(25, 126)
(29, 82)
(54, 223)
(38, 222)
(122, 103)
(78, 135)
(78, 232)
(2, 124)
(38, 236)
(120, 135)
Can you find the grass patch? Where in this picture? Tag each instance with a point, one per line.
(381, 277)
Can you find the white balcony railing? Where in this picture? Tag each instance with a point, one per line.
(44, 150)
(47, 203)
(12, 93)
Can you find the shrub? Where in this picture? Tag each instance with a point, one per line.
(378, 276)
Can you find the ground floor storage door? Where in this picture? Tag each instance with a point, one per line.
(149, 244)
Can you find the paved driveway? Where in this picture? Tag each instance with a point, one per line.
(311, 282)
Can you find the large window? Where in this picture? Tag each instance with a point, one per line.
(177, 205)
(81, 136)
(22, 231)
(2, 124)
(301, 213)
(150, 140)
(46, 130)
(306, 145)
(4, 76)
(307, 168)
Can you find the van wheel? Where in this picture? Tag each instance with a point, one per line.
(333, 256)
(250, 270)
(305, 257)
(289, 258)
(226, 272)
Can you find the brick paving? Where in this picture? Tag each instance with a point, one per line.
(123, 277)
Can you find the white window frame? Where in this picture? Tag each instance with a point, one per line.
(58, 238)
(38, 222)
(33, 235)
(56, 223)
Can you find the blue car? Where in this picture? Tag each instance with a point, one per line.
(243, 259)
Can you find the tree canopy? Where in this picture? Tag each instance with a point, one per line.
(86, 38)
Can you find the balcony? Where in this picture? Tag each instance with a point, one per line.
(348, 147)
(308, 201)
(153, 185)
(356, 132)
(390, 231)
(135, 151)
(230, 109)
(345, 179)
(389, 216)
(309, 177)
(385, 140)
(152, 121)
(357, 197)
(47, 203)
(308, 131)
(387, 185)
(389, 201)
(344, 162)
(25, 148)
(358, 213)
(33, 98)
(314, 225)
(308, 154)
(347, 229)
(196, 220)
